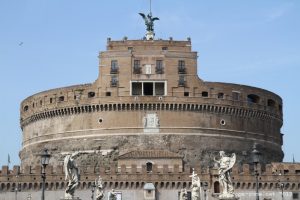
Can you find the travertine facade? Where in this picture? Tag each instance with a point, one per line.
(148, 96)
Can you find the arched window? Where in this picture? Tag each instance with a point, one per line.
(91, 94)
(253, 98)
(25, 108)
(61, 98)
(271, 103)
(216, 187)
(149, 166)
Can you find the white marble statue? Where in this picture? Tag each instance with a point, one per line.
(183, 195)
(71, 174)
(112, 195)
(99, 189)
(196, 186)
(225, 163)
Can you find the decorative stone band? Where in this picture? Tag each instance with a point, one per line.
(212, 108)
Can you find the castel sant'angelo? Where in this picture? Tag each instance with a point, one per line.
(145, 123)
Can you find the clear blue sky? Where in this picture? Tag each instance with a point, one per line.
(47, 44)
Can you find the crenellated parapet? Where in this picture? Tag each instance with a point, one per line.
(167, 178)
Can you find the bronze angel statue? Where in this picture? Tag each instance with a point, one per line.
(149, 21)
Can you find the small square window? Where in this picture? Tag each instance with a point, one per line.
(204, 94)
(186, 94)
(108, 94)
(164, 48)
(295, 195)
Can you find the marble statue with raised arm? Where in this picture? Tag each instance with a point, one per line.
(225, 163)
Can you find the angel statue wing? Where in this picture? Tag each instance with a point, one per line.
(143, 15)
(155, 18)
(232, 161)
(66, 167)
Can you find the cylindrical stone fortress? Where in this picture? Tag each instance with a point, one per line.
(148, 96)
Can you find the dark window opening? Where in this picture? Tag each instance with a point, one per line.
(186, 94)
(149, 166)
(130, 48)
(91, 94)
(136, 88)
(159, 89)
(33, 105)
(114, 81)
(159, 67)
(61, 98)
(280, 108)
(25, 108)
(181, 66)
(271, 103)
(114, 67)
(253, 98)
(220, 95)
(295, 195)
(235, 96)
(148, 89)
(204, 94)
(149, 191)
(164, 48)
(181, 81)
(137, 66)
(108, 94)
(51, 100)
(41, 102)
(216, 187)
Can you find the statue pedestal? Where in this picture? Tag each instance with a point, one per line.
(150, 35)
(228, 197)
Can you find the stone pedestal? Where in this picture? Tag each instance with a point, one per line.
(233, 197)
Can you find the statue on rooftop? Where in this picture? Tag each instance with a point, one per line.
(149, 21)
(225, 163)
(149, 24)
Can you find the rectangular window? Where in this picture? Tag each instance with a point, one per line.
(235, 96)
(159, 67)
(136, 89)
(159, 89)
(295, 195)
(181, 66)
(114, 67)
(137, 66)
(148, 88)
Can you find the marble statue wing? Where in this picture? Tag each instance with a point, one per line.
(66, 167)
(232, 161)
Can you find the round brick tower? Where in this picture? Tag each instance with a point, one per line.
(148, 96)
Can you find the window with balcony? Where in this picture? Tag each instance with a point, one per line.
(136, 66)
(114, 67)
(181, 66)
(159, 67)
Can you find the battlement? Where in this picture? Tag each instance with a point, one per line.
(168, 178)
